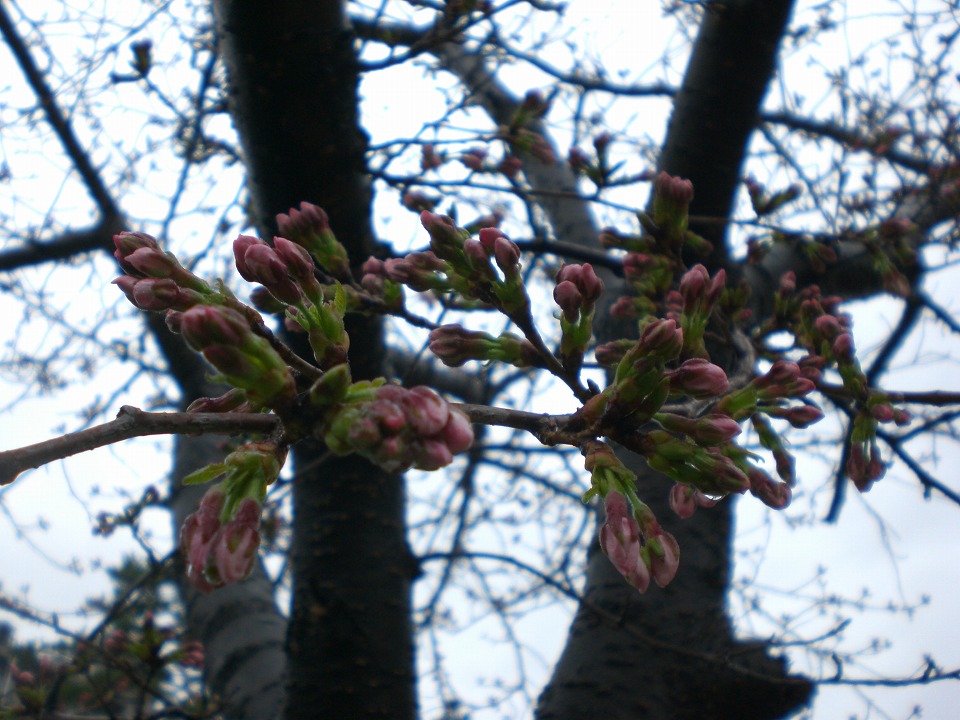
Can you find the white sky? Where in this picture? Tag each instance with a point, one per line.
(891, 542)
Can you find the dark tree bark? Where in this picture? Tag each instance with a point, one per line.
(293, 96)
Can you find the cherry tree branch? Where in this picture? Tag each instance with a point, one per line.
(131, 422)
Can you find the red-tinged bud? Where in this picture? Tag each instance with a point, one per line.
(843, 348)
(173, 319)
(882, 412)
(473, 159)
(578, 160)
(774, 494)
(235, 549)
(510, 166)
(445, 236)
(693, 284)
(454, 345)
(620, 541)
(152, 262)
(425, 410)
(488, 237)
(698, 378)
(295, 257)
(568, 297)
(231, 400)
(664, 552)
(507, 254)
(901, 417)
(828, 326)
(663, 338)
(127, 243)
(610, 354)
(433, 455)
(788, 283)
(430, 159)
(417, 201)
(457, 434)
(206, 325)
(624, 307)
(803, 416)
(240, 247)
(681, 500)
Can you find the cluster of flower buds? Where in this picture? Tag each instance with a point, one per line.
(309, 227)
(245, 360)
(220, 540)
(671, 204)
(470, 268)
(708, 469)
(286, 270)
(391, 426)
(155, 280)
(685, 499)
(640, 385)
(630, 536)
(576, 291)
(698, 294)
(454, 346)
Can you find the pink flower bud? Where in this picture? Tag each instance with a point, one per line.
(152, 262)
(474, 158)
(843, 348)
(803, 416)
(664, 564)
(235, 548)
(620, 541)
(457, 434)
(663, 338)
(206, 325)
(770, 492)
(698, 378)
(828, 326)
(568, 297)
(510, 166)
(426, 411)
(433, 455)
(297, 259)
(682, 500)
(127, 243)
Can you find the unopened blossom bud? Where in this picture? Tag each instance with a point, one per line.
(662, 338)
(698, 378)
(430, 159)
(152, 262)
(258, 262)
(510, 166)
(828, 326)
(693, 285)
(295, 257)
(454, 345)
(425, 410)
(507, 255)
(882, 412)
(771, 493)
(803, 416)
(843, 348)
(685, 499)
(206, 325)
(578, 160)
(457, 434)
(310, 227)
(446, 239)
(127, 243)
(474, 159)
(620, 541)
(568, 297)
(664, 552)
(611, 353)
(671, 202)
(235, 548)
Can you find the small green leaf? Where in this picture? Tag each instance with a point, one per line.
(205, 475)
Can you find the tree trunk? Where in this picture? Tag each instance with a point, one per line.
(293, 78)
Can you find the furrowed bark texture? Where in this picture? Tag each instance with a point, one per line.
(671, 653)
(293, 96)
